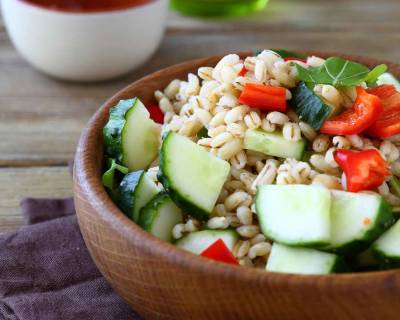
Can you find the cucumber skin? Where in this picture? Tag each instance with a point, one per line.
(340, 266)
(112, 132)
(365, 261)
(179, 200)
(384, 221)
(127, 192)
(148, 212)
(386, 262)
(304, 100)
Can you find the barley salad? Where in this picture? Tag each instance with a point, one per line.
(277, 161)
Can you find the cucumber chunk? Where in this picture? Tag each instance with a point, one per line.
(388, 78)
(273, 144)
(130, 136)
(192, 176)
(357, 219)
(297, 215)
(302, 260)
(310, 107)
(387, 247)
(197, 242)
(136, 190)
(160, 216)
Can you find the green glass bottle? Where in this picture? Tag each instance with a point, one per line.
(217, 8)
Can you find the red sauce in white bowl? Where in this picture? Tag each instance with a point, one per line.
(83, 6)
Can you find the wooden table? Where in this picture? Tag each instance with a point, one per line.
(41, 118)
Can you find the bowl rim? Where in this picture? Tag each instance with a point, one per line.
(90, 184)
(93, 12)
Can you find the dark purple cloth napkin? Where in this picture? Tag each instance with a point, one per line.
(46, 271)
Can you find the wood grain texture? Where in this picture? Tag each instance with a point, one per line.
(17, 183)
(161, 281)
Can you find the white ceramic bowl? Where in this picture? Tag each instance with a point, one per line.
(91, 46)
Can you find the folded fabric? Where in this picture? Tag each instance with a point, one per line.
(47, 273)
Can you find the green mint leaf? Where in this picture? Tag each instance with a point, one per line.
(335, 71)
(108, 176)
(306, 75)
(203, 133)
(289, 54)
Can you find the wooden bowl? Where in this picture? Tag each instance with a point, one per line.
(160, 281)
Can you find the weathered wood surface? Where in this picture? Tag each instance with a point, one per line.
(41, 118)
(38, 182)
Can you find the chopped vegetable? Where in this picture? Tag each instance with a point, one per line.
(375, 73)
(264, 97)
(294, 59)
(243, 71)
(273, 144)
(155, 113)
(218, 251)
(289, 54)
(395, 185)
(130, 136)
(366, 110)
(160, 216)
(108, 178)
(357, 219)
(136, 190)
(198, 241)
(302, 261)
(388, 78)
(384, 91)
(335, 71)
(364, 170)
(309, 106)
(387, 247)
(297, 215)
(192, 176)
(388, 123)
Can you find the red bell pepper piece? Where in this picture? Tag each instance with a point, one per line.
(294, 59)
(366, 110)
(243, 71)
(364, 170)
(388, 124)
(155, 113)
(219, 251)
(264, 97)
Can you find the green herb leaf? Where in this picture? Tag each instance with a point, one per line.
(335, 71)
(306, 75)
(375, 73)
(289, 54)
(108, 176)
(203, 133)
